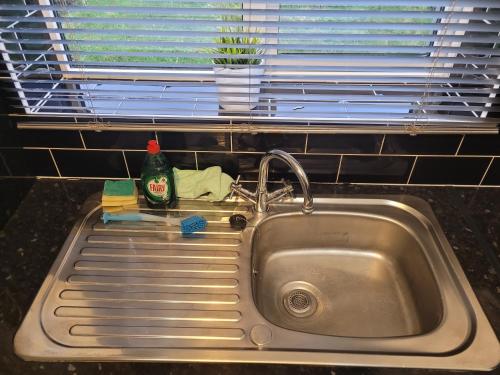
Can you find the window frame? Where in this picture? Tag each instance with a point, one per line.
(186, 75)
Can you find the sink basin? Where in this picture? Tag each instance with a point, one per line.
(344, 274)
(366, 281)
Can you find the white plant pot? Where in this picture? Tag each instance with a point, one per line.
(237, 81)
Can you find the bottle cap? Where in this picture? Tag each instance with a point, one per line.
(153, 147)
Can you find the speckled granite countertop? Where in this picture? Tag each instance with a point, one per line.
(37, 215)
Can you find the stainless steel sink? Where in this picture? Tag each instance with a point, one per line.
(349, 274)
(361, 281)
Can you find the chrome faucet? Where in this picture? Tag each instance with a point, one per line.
(261, 198)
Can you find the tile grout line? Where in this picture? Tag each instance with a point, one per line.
(126, 164)
(486, 171)
(306, 144)
(231, 141)
(381, 145)
(156, 137)
(253, 152)
(55, 163)
(411, 171)
(83, 140)
(4, 162)
(460, 144)
(196, 160)
(133, 150)
(339, 167)
(253, 181)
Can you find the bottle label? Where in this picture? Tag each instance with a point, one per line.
(158, 187)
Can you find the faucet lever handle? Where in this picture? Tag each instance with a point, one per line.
(285, 191)
(242, 192)
(287, 185)
(233, 189)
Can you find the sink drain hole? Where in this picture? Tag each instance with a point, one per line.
(300, 303)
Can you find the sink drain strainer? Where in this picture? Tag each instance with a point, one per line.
(299, 301)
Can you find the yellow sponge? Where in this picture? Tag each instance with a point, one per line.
(130, 207)
(122, 202)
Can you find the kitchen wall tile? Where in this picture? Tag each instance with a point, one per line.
(181, 160)
(22, 162)
(484, 144)
(8, 134)
(117, 139)
(449, 170)
(493, 175)
(12, 137)
(344, 143)
(248, 150)
(3, 166)
(375, 169)
(90, 163)
(195, 141)
(319, 168)
(232, 163)
(50, 138)
(264, 142)
(421, 144)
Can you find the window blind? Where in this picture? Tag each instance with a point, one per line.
(341, 62)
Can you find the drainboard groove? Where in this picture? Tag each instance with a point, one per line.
(135, 304)
(220, 242)
(155, 267)
(211, 231)
(158, 297)
(159, 332)
(127, 281)
(158, 253)
(148, 314)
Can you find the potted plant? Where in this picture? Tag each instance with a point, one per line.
(232, 77)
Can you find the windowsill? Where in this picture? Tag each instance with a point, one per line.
(191, 74)
(200, 101)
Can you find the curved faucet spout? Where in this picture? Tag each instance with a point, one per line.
(262, 194)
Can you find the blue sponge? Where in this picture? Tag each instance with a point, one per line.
(193, 224)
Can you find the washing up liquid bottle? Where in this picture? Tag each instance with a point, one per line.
(157, 178)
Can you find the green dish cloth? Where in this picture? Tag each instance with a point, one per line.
(210, 184)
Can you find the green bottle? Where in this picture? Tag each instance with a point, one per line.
(157, 179)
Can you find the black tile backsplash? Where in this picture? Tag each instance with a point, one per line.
(9, 135)
(344, 143)
(117, 140)
(449, 170)
(194, 141)
(421, 144)
(181, 160)
(493, 175)
(319, 168)
(375, 169)
(475, 144)
(29, 162)
(366, 158)
(4, 170)
(50, 138)
(90, 163)
(231, 163)
(264, 142)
